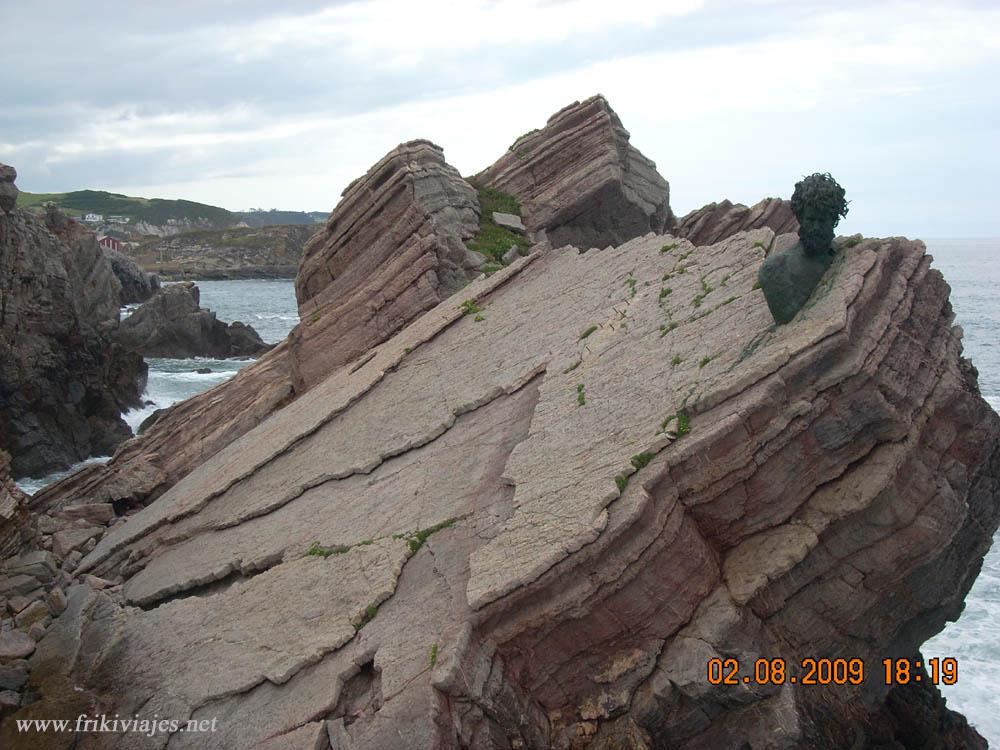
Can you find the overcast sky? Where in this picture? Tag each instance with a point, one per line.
(281, 105)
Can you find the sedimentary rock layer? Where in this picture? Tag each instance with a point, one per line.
(716, 221)
(581, 181)
(63, 382)
(533, 524)
(392, 249)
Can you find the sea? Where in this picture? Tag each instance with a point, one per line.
(971, 267)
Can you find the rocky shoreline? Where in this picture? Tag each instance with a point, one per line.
(523, 504)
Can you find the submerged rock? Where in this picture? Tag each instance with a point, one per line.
(171, 324)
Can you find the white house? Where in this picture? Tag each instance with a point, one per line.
(94, 218)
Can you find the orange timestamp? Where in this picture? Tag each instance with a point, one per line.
(824, 671)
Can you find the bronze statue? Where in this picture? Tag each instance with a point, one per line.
(788, 277)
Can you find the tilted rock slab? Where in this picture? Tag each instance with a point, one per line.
(581, 181)
(489, 567)
(391, 250)
(716, 221)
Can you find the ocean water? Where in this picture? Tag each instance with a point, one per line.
(268, 305)
(972, 268)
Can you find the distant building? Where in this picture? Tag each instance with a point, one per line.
(110, 243)
(118, 220)
(94, 218)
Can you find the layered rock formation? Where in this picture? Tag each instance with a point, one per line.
(136, 285)
(392, 249)
(581, 181)
(63, 382)
(533, 515)
(267, 252)
(13, 510)
(716, 221)
(172, 324)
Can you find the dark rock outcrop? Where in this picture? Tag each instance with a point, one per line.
(545, 554)
(63, 380)
(171, 324)
(8, 190)
(581, 181)
(137, 285)
(716, 221)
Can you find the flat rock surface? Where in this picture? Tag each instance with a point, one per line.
(494, 526)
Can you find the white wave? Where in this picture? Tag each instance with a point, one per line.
(31, 485)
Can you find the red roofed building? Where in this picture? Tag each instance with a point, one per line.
(111, 243)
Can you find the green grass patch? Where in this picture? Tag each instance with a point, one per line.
(853, 242)
(667, 328)
(664, 292)
(704, 361)
(572, 367)
(641, 460)
(622, 482)
(756, 285)
(432, 655)
(491, 240)
(683, 423)
(479, 318)
(630, 283)
(668, 248)
(675, 360)
(369, 614)
(587, 332)
(705, 291)
(416, 539)
(760, 244)
(491, 268)
(581, 397)
(469, 307)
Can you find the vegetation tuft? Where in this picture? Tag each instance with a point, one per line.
(640, 460)
(586, 333)
(491, 240)
(469, 307)
(622, 482)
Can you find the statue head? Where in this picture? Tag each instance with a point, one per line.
(818, 204)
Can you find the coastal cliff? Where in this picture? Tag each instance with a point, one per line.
(527, 511)
(63, 380)
(241, 253)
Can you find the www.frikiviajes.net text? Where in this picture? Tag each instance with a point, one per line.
(85, 724)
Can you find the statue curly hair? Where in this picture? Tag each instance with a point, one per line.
(818, 204)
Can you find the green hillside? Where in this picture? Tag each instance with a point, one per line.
(152, 210)
(159, 210)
